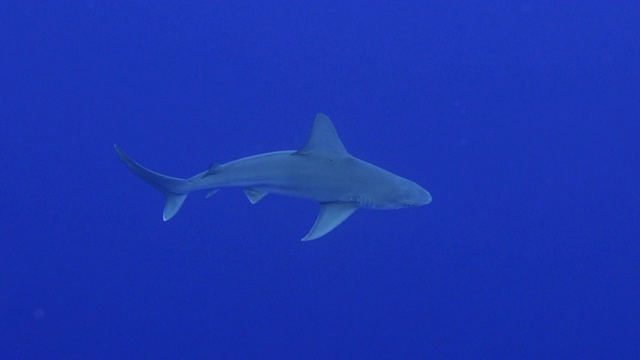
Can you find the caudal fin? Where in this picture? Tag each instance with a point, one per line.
(174, 189)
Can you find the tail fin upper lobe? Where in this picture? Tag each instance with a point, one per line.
(174, 189)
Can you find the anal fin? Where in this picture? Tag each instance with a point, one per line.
(212, 192)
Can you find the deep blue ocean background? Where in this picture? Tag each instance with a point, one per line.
(520, 117)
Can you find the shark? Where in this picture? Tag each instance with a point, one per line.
(322, 171)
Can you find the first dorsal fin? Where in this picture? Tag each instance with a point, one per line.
(324, 139)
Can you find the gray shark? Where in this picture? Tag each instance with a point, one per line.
(322, 171)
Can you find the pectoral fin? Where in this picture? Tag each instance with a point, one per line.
(331, 215)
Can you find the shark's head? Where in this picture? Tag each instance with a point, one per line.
(412, 194)
(399, 193)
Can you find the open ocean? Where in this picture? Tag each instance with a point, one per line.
(521, 118)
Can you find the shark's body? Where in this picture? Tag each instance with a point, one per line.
(322, 171)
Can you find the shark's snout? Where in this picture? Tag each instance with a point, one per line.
(415, 195)
(425, 198)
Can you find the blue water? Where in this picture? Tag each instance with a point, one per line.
(521, 119)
